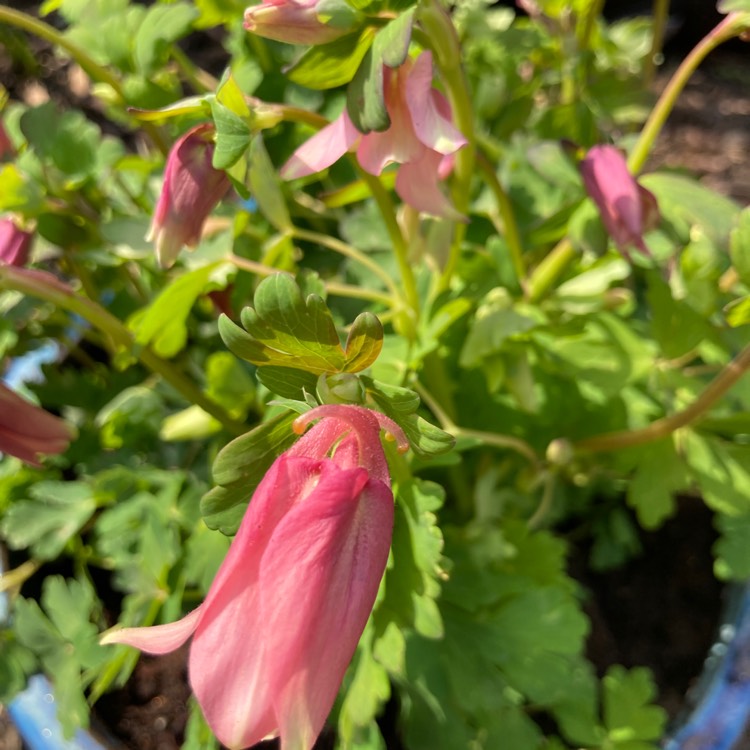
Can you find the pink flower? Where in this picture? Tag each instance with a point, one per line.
(191, 190)
(295, 22)
(273, 638)
(627, 209)
(15, 243)
(26, 430)
(421, 138)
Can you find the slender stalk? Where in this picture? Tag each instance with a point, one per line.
(661, 428)
(14, 579)
(488, 438)
(545, 504)
(332, 287)
(400, 247)
(201, 81)
(349, 252)
(44, 286)
(660, 14)
(729, 27)
(505, 208)
(544, 276)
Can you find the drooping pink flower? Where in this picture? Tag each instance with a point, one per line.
(26, 430)
(191, 190)
(294, 22)
(626, 208)
(273, 638)
(15, 243)
(421, 138)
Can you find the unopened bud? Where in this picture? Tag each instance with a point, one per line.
(559, 452)
(341, 388)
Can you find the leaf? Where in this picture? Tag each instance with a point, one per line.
(161, 26)
(239, 468)
(732, 550)
(53, 514)
(411, 585)
(163, 324)
(287, 331)
(400, 405)
(17, 191)
(737, 313)
(287, 382)
(733, 6)
(628, 714)
(231, 96)
(326, 66)
(365, 100)
(660, 472)
(677, 327)
(233, 136)
(266, 187)
(739, 246)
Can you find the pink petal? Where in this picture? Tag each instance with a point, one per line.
(337, 543)
(323, 149)
(290, 21)
(430, 112)
(417, 185)
(158, 639)
(228, 670)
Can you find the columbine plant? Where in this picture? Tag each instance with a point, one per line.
(408, 234)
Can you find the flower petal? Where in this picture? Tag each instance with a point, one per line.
(228, 670)
(158, 639)
(430, 112)
(417, 185)
(323, 149)
(346, 525)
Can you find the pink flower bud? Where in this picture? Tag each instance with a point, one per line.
(421, 137)
(26, 430)
(191, 190)
(627, 210)
(296, 22)
(15, 243)
(283, 617)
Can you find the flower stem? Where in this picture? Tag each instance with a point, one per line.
(661, 428)
(728, 28)
(544, 276)
(332, 287)
(660, 14)
(347, 251)
(44, 286)
(504, 206)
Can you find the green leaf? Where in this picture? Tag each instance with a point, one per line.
(738, 312)
(412, 581)
(163, 324)
(326, 66)
(628, 715)
(400, 405)
(71, 145)
(287, 382)
(733, 6)
(233, 136)
(365, 101)
(739, 246)
(676, 325)
(53, 514)
(266, 187)
(239, 468)
(287, 331)
(161, 26)
(17, 191)
(132, 416)
(231, 96)
(660, 472)
(732, 550)
(198, 735)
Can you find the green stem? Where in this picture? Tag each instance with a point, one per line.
(201, 81)
(660, 15)
(592, 12)
(667, 425)
(488, 438)
(332, 287)
(730, 27)
(349, 252)
(545, 504)
(14, 579)
(504, 206)
(544, 276)
(44, 286)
